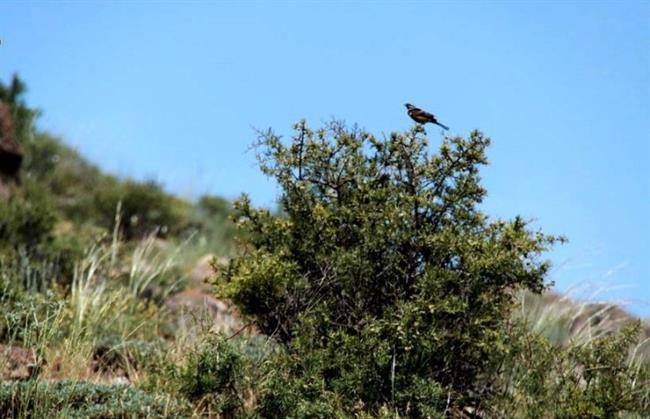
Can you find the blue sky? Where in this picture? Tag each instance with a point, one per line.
(172, 92)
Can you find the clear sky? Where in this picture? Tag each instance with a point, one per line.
(172, 92)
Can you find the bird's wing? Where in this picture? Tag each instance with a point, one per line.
(425, 114)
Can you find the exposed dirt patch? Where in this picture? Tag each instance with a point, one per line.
(16, 362)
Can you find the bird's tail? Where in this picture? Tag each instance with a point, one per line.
(443, 126)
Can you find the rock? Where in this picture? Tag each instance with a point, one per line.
(5, 191)
(63, 227)
(194, 306)
(203, 268)
(11, 154)
(119, 380)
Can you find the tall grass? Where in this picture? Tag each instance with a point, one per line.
(572, 319)
(150, 266)
(104, 304)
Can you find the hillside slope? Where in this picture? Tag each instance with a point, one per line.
(106, 313)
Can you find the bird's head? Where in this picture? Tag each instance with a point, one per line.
(409, 106)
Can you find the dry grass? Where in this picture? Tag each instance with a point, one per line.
(572, 319)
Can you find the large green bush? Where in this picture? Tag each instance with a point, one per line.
(384, 281)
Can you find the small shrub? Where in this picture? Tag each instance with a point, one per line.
(30, 248)
(597, 378)
(214, 206)
(27, 221)
(22, 116)
(215, 230)
(145, 208)
(115, 353)
(211, 376)
(78, 399)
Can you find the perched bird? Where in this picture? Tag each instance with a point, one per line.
(422, 117)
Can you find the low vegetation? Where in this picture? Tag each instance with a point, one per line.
(75, 399)
(377, 289)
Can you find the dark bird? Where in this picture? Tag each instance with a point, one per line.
(422, 117)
